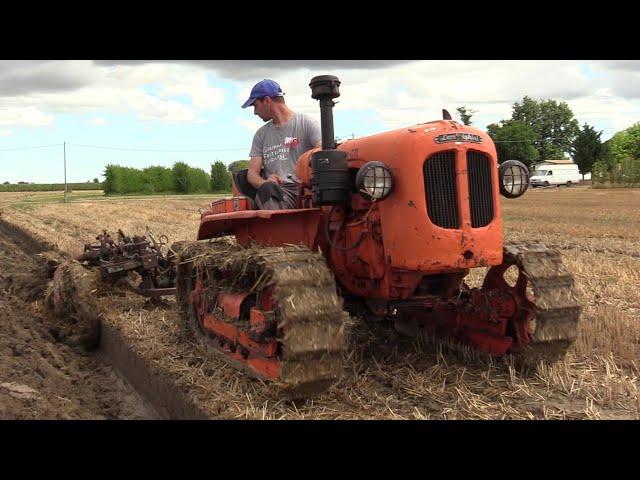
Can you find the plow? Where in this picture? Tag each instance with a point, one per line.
(386, 228)
(144, 264)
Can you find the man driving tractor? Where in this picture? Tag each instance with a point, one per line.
(277, 145)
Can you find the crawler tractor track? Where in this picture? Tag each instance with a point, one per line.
(290, 328)
(557, 305)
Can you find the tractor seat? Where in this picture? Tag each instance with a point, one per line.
(242, 187)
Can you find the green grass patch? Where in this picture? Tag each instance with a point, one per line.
(49, 187)
(28, 202)
(23, 207)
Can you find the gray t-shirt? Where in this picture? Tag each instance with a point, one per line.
(280, 146)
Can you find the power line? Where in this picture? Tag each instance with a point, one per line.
(346, 137)
(530, 141)
(159, 150)
(30, 148)
(341, 137)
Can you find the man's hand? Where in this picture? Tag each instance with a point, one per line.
(253, 175)
(275, 178)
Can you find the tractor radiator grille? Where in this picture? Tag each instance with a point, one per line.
(440, 188)
(480, 193)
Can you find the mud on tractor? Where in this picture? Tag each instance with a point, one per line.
(387, 226)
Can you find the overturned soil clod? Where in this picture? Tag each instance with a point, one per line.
(73, 298)
(42, 377)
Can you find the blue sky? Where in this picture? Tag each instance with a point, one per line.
(188, 106)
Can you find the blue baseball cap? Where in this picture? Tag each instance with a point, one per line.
(264, 88)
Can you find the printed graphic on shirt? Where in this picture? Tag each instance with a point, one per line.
(275, 153)
(291, 142)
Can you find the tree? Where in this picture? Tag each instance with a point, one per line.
(515, 140)
(95, 180)
(606, 162)
(620, 158)
(553, 123)
(188, 179)
(465, 114)
(111, 183)
(238, 165)
(587, 149)
(619, 162)
(181, 178)
(220, 177)
(625, 144)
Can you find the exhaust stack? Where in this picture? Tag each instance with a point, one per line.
(325, 89)
(330, 179)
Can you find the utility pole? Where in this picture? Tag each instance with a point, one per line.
(64, 151)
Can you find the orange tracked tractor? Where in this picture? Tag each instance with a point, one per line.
(387, 226)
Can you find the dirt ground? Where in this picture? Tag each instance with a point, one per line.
(386, 376)
(41, 378)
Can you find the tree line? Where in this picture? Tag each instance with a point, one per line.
(541, 130)
(180, 178)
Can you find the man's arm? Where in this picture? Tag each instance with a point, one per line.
(253, 174)
(314, 132)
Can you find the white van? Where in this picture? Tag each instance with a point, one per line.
(556, 174)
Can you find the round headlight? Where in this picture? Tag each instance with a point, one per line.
(374, 180)
(514, 178)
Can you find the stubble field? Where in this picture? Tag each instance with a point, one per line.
(388, 376)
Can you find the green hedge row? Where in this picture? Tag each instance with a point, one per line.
(49, 187)
(623, 174)
(181, 179)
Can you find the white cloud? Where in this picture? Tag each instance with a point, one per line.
(97, 121)
(30, 76)
(167, 111)
(24, 117)
(417, 91)
(120, 89)
(398, 93)
(137, 75)
(614, 113)
(112, 99)
(195, 86)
